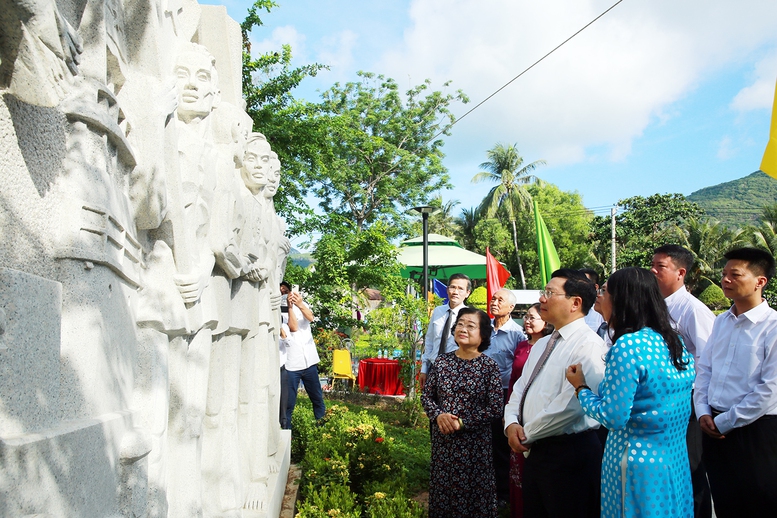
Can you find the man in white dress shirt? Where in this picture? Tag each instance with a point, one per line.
(563, 454)
(440, 324)
(693, 320)
(736, 392)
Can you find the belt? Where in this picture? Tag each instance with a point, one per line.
(716, 412)
(559, 439)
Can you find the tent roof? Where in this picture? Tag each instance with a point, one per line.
(446, 257)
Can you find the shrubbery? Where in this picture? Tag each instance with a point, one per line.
(350, 468)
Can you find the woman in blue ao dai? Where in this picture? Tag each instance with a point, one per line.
(643, 402)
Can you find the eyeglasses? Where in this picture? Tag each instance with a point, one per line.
(548, 294)
(601, 291)
(530, 319)
(469, 328)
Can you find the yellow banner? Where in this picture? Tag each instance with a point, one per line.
(769, 162)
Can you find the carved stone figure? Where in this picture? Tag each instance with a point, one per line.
(138, 230)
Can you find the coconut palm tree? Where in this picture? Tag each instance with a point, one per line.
(504, 167)
(466, 228)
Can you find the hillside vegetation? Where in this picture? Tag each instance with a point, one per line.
(737, 202)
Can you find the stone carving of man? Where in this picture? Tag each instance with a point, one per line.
(190, 201)
(252, 291)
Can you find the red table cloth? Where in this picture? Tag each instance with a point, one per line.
(380, 376)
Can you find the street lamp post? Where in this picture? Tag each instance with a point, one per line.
(425, 210)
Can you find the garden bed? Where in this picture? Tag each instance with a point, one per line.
(369, 457)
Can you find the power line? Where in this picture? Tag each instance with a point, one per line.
(481, 103)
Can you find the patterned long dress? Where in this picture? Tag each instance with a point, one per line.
(643, 401)
(462, 474)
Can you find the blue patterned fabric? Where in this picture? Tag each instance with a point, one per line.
(644, 402)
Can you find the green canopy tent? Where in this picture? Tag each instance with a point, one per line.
(446, 257)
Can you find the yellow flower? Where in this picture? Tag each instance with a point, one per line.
(379, 495)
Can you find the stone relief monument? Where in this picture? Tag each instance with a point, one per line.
(140, 261)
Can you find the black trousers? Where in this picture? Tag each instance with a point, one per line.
(501, 451)
(284, 399)
(742, 469)
(562, 477)
(702, 503)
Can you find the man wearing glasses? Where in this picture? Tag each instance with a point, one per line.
(543, 419)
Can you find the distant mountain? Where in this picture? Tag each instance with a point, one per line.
(737, 202)
(300, 259)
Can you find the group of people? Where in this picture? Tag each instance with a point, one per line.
(576, 416)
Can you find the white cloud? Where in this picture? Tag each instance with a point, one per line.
(726, 148)
(602, 89)
(285, 35)
(336, 50)
(760, 94)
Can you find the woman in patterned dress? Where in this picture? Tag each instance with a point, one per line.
(463, 392)
(643, 401)
(535, 329)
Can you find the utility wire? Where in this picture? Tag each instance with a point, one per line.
(481, 103)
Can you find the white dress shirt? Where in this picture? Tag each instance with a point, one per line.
(693, 320)
(284, 344)
(434, 335)
(737, 373)
(551, 407)
(301, 352)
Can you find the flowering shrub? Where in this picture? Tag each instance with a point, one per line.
(349, 452)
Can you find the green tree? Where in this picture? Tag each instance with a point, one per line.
(383, 152)
(465, 233)
(708, 239)
(292, 126)
(504, 167)
(348, 261)
(641, 226)
(568, 222)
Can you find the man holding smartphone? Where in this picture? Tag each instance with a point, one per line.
(302, 357)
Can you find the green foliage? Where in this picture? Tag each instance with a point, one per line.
(493, 233)
(713, 297)
(383, 154)
(346, 262)
(293, 127)
(347, 461)
(737, 202)
(478, 297)
(505, 167)
(379, 505)
(708, 240)
(335, 500)
(642, 225)
(303, 422)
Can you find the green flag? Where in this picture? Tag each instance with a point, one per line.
(546, 252)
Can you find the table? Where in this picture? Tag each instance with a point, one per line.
(380, 376)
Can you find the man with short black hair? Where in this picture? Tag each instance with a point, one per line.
(544, 420)
(736, 392)
(439, 338)
(693, 320)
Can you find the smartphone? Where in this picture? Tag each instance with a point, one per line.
(295, 288)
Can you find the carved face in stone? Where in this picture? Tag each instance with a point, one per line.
(196, 82)
(274, 178)
(256, 163)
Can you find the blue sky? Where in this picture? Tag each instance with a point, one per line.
(657, 96)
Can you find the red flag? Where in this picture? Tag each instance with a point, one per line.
(496, 277)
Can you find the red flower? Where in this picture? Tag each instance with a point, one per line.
(379, 439)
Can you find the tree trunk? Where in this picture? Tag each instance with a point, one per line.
(517, 255)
